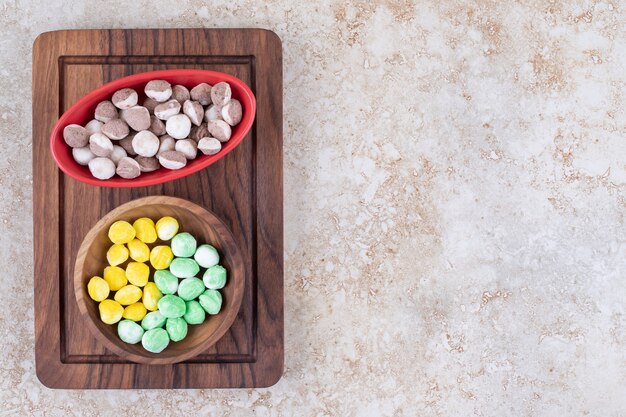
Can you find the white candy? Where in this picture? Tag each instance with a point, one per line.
(166, 110)
(172, 160)
(102, 168)
(178, 126)
(232, 112)
(158, 90)
(187, 147)
(145, 143)
(94, 126)
(219, 129)
(83, 155)
(209, 146)
(125, 98)
(117, 154)
(167, 143)
(194, 111)
(213, 112)
(206, 256)
(100, 145)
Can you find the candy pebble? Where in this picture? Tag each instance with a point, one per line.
(128, 294)
(166, 228)
(190, 288)
(145, 231)
(206, 256)
(194, 314)
(98, 289)
(184, 267)
(161, 257)
(138, 250)
(137, 273)
(172, 306)
(121, 232)
(151, 296)
(115, 277)
(211, 301)
(153, 320)
(110, 311)
(129, 331)
(184, 245)
(215, 277)
(117, 254)
(135, 312)
(166, 282)
(176, 329)
(155, 340)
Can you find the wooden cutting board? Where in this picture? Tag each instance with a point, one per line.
(244, 189)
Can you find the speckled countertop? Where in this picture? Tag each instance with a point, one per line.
(455, 178)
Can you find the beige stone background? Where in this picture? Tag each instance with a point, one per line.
(455, 177)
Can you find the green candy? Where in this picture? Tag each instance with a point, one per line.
(195, 313)
(166, 282)
(172, 306)
(176, 329)
(183, 245)
(155, 340)
(211, 301)
(190, 288)
(215, 277)
(184, 267)
(206, 256)
(129, 331)
(152, 320)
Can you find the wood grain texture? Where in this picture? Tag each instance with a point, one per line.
(206, 228)
(244, 190)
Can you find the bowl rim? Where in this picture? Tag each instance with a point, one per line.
(167, 175)
(79, 280)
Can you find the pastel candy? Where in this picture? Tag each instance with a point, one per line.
(184, 245)
(184, 267)
(190, 288)
(214, 278)
(137, 273)
(115, 277)
(145, 231)
(98, 289)
(161, 257)
(135, 312)
(166, 228)
(194, 313)
(211, 301)
(129, 331)
(153, 320)
(138, 250)
(121, 232)
(172, 306)
(206, 256)
(151, 296)
(110, 311)
(176, 329)
(117, 254)
(166, 282)
(155, 340)
(128, 294)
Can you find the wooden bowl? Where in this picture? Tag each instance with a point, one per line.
(206, 228)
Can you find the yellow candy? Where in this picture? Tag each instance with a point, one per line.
(166, 228)
(139, 251)
(115, 277)
(117, 254)
(110, 311)
(137, 273)
(145, 231)
(151, 296)
(98, 289)
(128, 295)
(121, 232)
(135, 312)
(161, 257)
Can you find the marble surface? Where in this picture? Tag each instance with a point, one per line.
(455, 177)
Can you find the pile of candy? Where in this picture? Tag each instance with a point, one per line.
(157, 311)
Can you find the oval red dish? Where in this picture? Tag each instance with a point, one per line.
(83, 110)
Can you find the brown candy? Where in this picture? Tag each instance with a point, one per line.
(209, 146)
(156, 126)
(100, 145)
(199, 132)
(172, 160)
(76, 136)
(137, 117)
(125, 98)
(128, 168)
(158, 90)
(180, 93)
(150, 104)
(232, 112)
(115, 129)
(105, 111)
(187, 147)
(219, 129)
(167, 143)
(127, 144)
(166, 110)
(213, 112)
(220, 93)
(147, 164)
(201, 93)
(194, 111)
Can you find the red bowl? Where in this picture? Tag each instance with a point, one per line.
(83, 111)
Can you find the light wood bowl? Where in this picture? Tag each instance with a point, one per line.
(206, 228)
